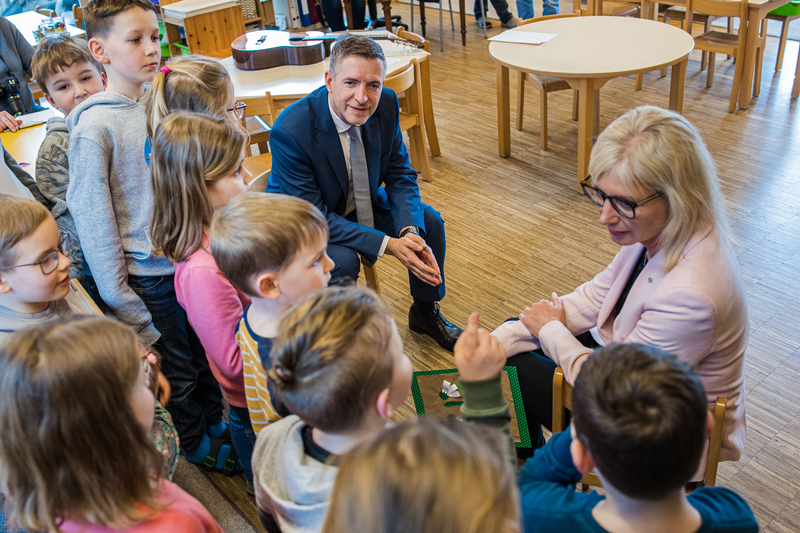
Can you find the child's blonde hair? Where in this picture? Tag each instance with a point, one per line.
(19, 217)
(57, 52)
(427, 476)
(71, 446)
(194, 83)
(331, 358)
(262, 232)
(190, 153)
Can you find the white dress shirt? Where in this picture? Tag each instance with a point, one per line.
(342, 127)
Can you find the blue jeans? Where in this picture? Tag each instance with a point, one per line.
(243, 437)
(525, 8)
(196, 400)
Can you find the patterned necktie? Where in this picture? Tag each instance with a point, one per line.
(358, 169)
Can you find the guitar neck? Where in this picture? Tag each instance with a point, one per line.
(334, 36)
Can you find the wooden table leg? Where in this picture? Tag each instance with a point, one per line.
(503, 112)
(387, 13)
(463, 16)
(648, 9)
(427, 106)
(586, 90)
(348, 13)
(676, 86)
(750, 51)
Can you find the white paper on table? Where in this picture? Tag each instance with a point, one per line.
(522, 37)
(36, 118)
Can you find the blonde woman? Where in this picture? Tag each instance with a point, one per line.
(674, 285)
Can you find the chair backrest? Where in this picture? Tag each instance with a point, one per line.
(562, 402)
(400, 81)
(577, 13)
(46, 12)
(259, 183)
(77, 14)
(719, 8)
(405, 34)
(259, 106)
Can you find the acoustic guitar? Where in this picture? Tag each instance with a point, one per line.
(262, 49)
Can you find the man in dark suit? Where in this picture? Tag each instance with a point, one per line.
(341, 149)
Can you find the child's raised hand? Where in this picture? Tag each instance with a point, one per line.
(478, 355)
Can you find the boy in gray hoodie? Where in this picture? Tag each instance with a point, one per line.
(110, 198)
(68, 74)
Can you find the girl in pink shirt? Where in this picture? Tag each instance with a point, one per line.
(196, 167)
(75, 409)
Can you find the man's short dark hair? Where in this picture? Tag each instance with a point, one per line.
(642, 414)
(98, 17)
(351, 44)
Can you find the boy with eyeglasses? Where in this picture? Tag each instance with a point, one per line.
(34, 267)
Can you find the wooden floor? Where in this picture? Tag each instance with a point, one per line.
(517, 230)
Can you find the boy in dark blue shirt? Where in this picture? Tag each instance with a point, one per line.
(640, 422)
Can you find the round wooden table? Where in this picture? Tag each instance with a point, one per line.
(588, 52)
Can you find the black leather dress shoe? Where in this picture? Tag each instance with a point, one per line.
(434, 324)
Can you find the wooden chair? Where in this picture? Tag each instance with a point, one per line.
(257, 120)
(260, 166)
(371, 277)
(562, 402)
(679, 13)
(620, 9)
(796, 86)
(715, 41)
(545, 85)
(425, 80)
(412, 119)
(77, 14)
(46, 12)
(785, 14)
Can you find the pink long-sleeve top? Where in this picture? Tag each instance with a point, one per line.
(181, 513)
(214, 307)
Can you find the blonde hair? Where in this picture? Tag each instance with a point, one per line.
(58, 52)
(426, 476)
(19, 218)
(190, 153)
(71, 447)
(331, 358)
(262, 232)
(194, 83)
(654, 150)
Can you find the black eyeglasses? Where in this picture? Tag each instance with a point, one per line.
(238, 109)
(49, 262)
(625, 208)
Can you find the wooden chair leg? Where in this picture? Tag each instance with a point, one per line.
(664, 72)
(710, 73)
(596, 117)
(704, 55)
(782, 44)
(737, 79)
(730, 30)
(419, 152)
(639, 82)
(543, 116)
(371, 277)
(575, 104)
(520, 98)
(796, 86)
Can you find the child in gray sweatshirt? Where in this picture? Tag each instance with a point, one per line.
(110, 198)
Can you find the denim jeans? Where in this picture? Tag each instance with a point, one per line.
(243, 437)
(196, 400)
(525, 8)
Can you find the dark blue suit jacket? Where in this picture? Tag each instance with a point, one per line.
(308, 162)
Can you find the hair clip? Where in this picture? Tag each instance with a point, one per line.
(165, 69)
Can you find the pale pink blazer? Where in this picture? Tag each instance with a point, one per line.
(696, 311)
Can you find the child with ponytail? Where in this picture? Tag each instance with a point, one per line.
(75, 409)
(196, 168)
